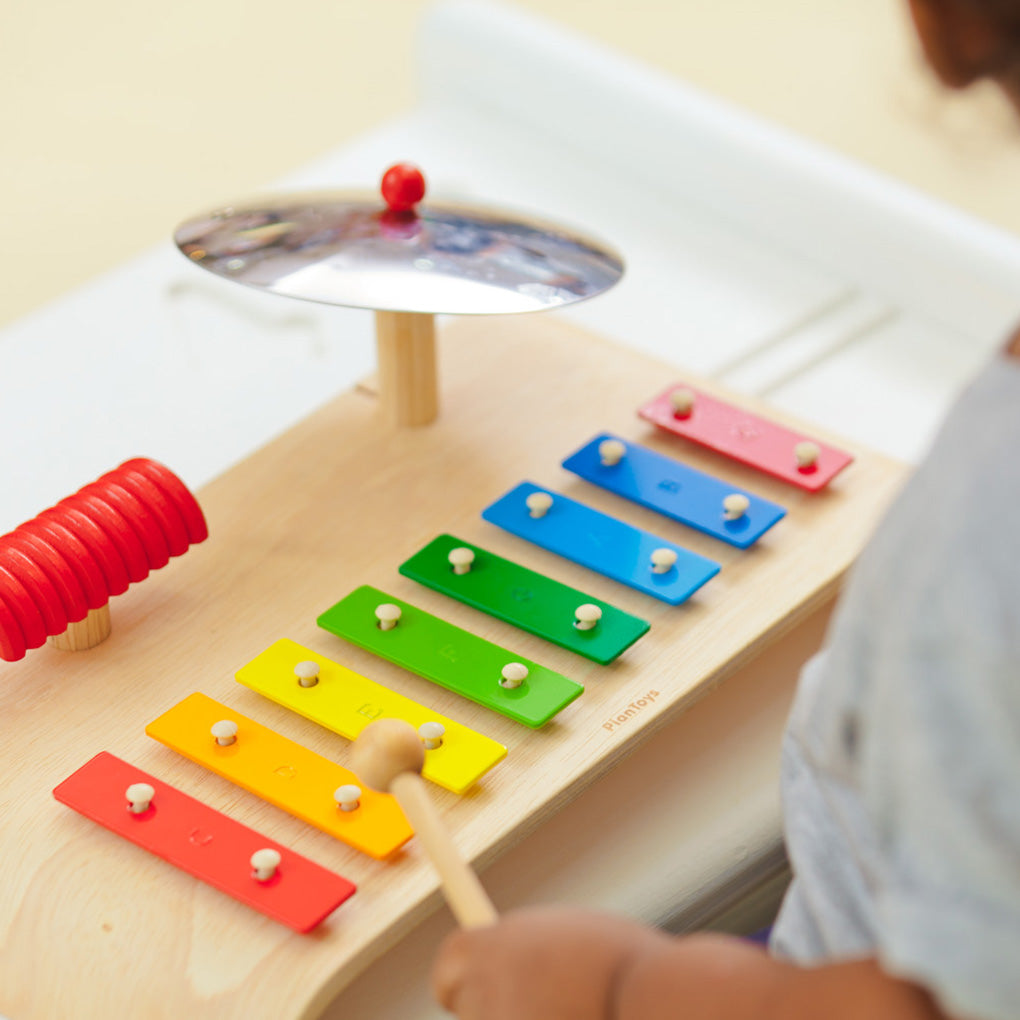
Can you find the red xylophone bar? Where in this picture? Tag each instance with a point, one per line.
(59, 570)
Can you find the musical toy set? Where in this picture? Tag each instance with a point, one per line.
(379, 561)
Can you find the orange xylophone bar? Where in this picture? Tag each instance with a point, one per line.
(59, 570)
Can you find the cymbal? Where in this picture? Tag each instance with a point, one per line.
(348, 248)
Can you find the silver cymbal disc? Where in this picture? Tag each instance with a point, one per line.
(347, 248)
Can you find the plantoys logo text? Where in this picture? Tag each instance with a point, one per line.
(632, 710)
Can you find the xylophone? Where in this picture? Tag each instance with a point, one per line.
(334, 519)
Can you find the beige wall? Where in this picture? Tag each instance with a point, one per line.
(119, 117)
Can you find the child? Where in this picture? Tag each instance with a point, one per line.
(901, 767)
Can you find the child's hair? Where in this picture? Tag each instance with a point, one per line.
(1005, 12)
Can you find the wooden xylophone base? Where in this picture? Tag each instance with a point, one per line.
(341, 500)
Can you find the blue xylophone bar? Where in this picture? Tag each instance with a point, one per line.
(602, 543)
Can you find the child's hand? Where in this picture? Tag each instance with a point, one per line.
(538, 963)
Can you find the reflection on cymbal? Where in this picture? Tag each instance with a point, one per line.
(347, 249)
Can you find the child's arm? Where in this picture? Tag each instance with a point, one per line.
(706, 977)
(1013, 347)
(569, 965)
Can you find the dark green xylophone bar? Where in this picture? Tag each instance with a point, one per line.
(525, 599)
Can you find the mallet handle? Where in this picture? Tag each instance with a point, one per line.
(467, 899)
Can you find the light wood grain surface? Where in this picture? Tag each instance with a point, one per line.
(339, 501)
(117, 119)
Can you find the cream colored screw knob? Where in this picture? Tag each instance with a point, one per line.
(611, 452)
(514, 674)
(586, 616)
(348, 797)
(431, 734)
(461, 559)
(663, 560)
(682, 402)
(225, 732)
(307, 673)
(807, 454)
(139, 797)
(387, 614)
(264, 864)
(538, 503)
(735, 506)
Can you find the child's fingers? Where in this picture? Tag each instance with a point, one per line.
(451, 968)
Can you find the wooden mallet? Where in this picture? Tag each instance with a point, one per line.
(388, 756)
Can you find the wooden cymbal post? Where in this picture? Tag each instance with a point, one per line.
(406, 346)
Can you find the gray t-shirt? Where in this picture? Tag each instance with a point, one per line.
(901, 762)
